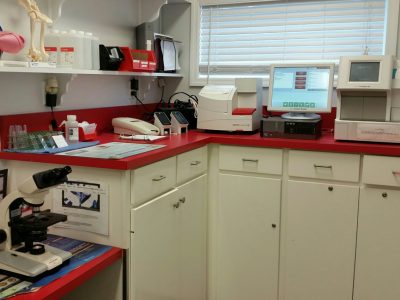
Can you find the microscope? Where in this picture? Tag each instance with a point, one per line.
(20, 233)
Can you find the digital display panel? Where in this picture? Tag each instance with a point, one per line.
(303, 88)
(364, 71)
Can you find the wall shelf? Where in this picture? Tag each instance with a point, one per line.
(27, 70)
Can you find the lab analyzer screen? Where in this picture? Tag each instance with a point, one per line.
(364, 71)
(301, 88)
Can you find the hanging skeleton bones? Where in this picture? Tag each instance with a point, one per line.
(36, 16)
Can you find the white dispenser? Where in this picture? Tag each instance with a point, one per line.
(71, 129)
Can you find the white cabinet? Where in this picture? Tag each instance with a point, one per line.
(168, 243)
(319, 240)
(248, 237)
(319, 223)
(154, 249)
(168, 233)
(377, 270)
(245, 238)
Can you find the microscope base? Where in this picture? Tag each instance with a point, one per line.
(32, 265)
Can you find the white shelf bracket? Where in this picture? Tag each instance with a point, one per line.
(150, 10)
(64, 82)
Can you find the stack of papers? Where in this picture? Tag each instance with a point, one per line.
(112, 150)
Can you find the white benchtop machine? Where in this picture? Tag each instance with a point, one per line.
(231, 108)
(366, 109)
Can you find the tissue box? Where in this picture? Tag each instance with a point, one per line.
(87, 132)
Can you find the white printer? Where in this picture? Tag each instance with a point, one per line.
(231, 108)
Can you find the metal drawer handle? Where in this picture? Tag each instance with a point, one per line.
(322, 166)
(182, 200)
(159, 178)
(250, 160)
(195, 163)
(396, 173)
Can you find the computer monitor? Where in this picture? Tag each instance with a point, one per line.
(301, 90)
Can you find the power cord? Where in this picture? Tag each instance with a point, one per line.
(146, 112)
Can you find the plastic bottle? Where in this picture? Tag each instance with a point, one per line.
(95, 53)
(72, 129)
(52, 46)
(71, 49)
(87, 52)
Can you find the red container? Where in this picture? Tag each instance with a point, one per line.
(86, 136)
(138, 60)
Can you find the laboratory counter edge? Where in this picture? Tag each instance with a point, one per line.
(177, 144)
(69, 282)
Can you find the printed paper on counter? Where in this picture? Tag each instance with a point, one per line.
(85, 204)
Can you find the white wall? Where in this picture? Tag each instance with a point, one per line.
(112, 21)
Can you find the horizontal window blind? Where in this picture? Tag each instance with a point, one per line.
(248, 37)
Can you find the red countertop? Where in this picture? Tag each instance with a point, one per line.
(177, 144)
(66, 284)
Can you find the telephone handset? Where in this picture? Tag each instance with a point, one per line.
(125, 125)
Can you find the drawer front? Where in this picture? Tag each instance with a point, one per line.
(191, 164)
(152, 180)
(381, 170)
(323, 165)
(251, 159)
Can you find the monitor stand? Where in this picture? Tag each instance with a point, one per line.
(300, 116)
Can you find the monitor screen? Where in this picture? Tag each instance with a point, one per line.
(301, 88)
(364, 71)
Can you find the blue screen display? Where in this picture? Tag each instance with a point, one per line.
(301, 88)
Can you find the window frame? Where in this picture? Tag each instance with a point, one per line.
(390, 43)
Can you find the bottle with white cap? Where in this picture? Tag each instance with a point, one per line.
(71, 129)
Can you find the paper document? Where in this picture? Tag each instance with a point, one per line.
(85, 204)
(113, 150)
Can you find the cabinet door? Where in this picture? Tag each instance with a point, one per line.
(247, 237)
(155, 249)
(192, 228)
(318, 246)
(378, 245)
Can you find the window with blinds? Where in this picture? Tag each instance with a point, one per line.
(245, 38)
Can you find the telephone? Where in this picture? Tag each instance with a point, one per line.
(124, 125)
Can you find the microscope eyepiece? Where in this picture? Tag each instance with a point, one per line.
(51, 177)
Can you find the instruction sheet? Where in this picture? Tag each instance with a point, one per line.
(85, 204)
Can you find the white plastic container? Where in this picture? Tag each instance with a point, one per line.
(52, 46)
(87, 52)
(71, 129)
(95, 53)
(71, 49)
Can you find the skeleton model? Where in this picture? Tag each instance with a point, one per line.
(36, 16)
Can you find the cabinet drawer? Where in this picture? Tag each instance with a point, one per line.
(152, 180)
(381, 170)
(322, 165)
(191, 164)
(249, 159)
